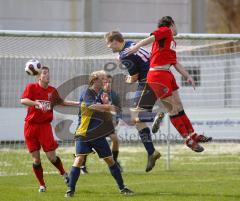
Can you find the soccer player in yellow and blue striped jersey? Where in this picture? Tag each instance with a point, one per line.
(96, 123)
(114, 99)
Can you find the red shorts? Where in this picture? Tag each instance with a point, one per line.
(39, 135)
(162, 82)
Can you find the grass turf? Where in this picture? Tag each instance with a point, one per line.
(212, 176)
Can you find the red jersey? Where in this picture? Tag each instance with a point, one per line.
(48, 97)
(163, 48)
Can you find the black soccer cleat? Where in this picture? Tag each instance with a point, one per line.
(69, 194)
(152, 160)
(83, 170)
(126, 191)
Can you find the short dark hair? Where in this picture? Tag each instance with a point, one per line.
(109, 76)
(114, 35)
(165, 21)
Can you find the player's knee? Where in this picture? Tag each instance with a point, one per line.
(140, 125)
(37, 161)
(52, 159)
(114, 138)
(173, 111)
(109, 160)
(179, 107)
(79, 159)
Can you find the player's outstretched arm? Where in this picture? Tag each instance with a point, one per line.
(141, 43)
(185, 74)
(28, 102)
(70, 103)
(104, 108)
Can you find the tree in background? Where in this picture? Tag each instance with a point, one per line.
(223, 16)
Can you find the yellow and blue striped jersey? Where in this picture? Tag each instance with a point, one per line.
(92, 123)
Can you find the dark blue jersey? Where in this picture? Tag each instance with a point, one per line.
(113, 100)
(137, 63)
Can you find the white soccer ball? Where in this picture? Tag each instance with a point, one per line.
(33, 67)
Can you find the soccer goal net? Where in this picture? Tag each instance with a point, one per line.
(214, 107)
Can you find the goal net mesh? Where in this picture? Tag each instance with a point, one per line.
(214, 107)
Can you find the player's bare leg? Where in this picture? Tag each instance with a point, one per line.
(83, 167)
(115, 149)
(115, 142)
(116, 173)
(38, 170)
(56, 161)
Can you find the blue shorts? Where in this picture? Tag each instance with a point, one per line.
(100, 145)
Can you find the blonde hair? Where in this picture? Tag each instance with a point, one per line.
(114, 35)
(95, 75)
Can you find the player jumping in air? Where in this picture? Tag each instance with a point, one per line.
(162, 81)
(96, 124)
(138, 67)
(40, 98)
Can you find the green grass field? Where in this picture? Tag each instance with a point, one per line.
(210, 176)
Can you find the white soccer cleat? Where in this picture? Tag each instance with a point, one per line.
(156, 123)
(66, 178)
(42, 189)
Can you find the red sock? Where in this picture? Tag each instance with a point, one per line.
(186, 121)
(58, 164)
(179, 125)
(38, 171)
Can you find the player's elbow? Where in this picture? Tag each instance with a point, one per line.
(22, 101)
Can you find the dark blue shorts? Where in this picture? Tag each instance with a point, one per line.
(100, 145)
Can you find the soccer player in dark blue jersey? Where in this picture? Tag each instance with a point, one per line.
(138, 66)
(96, 124)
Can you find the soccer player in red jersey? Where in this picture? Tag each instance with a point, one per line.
(40, 98)
(162, 81)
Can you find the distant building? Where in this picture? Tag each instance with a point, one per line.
(100, 15)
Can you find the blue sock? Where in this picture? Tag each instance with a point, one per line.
(116, 173)
(73, 177)
(146, 139)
